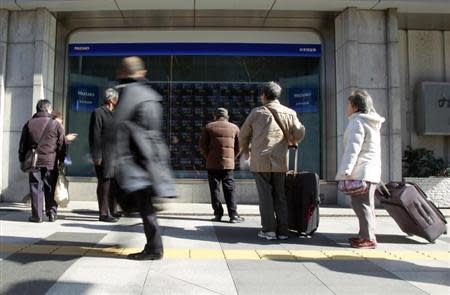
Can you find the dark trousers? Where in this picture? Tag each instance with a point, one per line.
(272, 201)
(42, 186)
(215, 177)
(148, 215)
(107, 190)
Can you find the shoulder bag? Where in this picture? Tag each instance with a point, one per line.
(31, 156)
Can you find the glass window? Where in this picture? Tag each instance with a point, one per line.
(193, 86)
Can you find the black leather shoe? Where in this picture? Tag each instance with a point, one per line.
(108, 219)
(237, 219)
(216, 218)
(116, 215)
(144, 255)
(52, 217)
(35, 219)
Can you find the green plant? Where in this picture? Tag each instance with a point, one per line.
(421, 162)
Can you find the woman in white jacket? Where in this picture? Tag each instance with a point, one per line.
(362, 161)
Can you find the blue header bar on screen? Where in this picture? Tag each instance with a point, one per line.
(221, 49)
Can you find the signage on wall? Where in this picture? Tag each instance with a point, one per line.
(212, 49)
(84, 98)
(433, 108)
(303, 100)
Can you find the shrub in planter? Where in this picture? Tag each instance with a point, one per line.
(422, 163)
(431, 174)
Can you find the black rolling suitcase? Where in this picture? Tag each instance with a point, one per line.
(302, 193)
(408, 205)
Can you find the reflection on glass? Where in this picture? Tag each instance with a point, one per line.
(192, 88)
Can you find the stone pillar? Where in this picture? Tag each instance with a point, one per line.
(367, 58)
(3, 52)
(29, 77)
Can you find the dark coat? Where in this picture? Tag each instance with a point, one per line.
(102, 136)
(219, 144)
(142, 155)
(52, 147)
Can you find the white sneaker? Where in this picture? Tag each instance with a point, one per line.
(270, 235)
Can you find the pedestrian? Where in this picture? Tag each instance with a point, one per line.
(265, 136)
(361, 161)
(219, 144)
(45, 135)
(142, 168)
(102, 136)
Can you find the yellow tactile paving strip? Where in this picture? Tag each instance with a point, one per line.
(275, 254)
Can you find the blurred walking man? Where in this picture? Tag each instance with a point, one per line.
(142, 168)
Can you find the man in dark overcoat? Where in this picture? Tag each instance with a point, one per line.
(45, 135)
(101, 141)
(142, 164)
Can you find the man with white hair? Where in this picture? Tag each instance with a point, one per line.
(266, 134)
(101, 142)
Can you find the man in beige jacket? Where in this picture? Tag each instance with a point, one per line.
(266, 141)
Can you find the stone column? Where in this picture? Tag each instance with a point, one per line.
(3, 51)
(29, 77)
(367, 58)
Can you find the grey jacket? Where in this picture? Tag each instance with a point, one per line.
(142, 155)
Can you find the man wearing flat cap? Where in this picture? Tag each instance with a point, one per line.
(219, 144)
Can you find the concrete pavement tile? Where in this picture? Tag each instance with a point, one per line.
(346, 266)
(206, 254)
(165, 284)
(366, 283)
(176, 253)
(411, 266)
(265, 277)
(76, 288)
(342, 255)
(71, 250)
(212, 275)
(107, 271)
(241, 254)
(275, 254)
(23, 273)
(431, 282)
(308, 254)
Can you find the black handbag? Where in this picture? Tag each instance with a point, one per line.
(31, 156)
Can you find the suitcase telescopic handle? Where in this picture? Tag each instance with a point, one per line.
(295, 148)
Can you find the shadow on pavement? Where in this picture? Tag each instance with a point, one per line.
(374, 268)
(38, 287)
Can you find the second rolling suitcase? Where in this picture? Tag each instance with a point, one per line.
(302, 194)
(408, 205)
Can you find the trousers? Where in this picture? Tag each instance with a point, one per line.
(148, 214)
(364, 207)
(215, 177)
(107, 190)
(272, 201)
(42, 186)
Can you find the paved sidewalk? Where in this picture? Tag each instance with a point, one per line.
(79, 255)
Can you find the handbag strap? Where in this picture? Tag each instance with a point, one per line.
(277, 120)
(44, 133)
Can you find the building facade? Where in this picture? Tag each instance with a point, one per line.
(205, 53)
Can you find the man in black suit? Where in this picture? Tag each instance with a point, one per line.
(101, 142)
